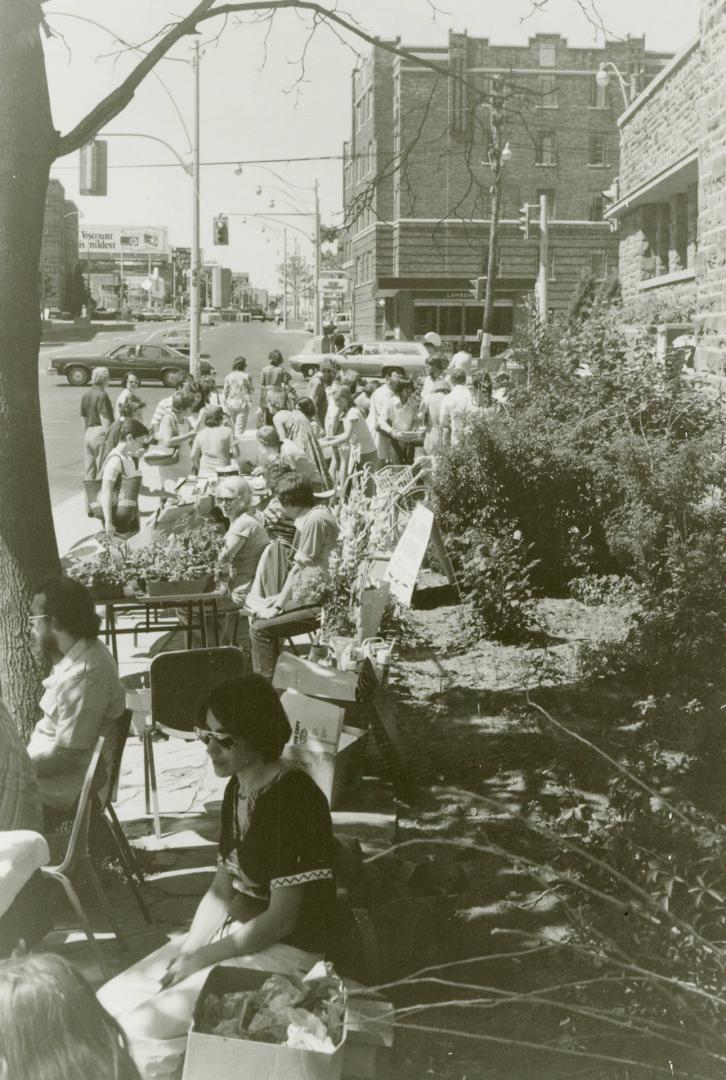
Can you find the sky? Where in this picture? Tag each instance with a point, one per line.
(259, 101)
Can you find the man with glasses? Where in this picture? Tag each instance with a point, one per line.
(244, 542)
(83, 694)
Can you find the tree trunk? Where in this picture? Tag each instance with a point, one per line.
(27, 538)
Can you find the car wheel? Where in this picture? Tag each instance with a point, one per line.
(308, 370)
(77, 376)
(167, 376)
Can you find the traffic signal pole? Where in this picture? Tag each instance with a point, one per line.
(195, 267)
(495, 162)
(542, 277)
(316, 291)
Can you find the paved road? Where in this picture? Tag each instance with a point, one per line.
(60, 402)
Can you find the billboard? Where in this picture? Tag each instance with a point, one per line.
(117, 240)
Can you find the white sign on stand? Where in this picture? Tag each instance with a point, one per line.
(408, 557)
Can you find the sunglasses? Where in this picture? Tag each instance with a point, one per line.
(206, 736)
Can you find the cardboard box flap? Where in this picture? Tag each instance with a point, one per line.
(307, 677)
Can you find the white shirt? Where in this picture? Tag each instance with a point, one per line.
(455, 407)
(380, 399)
(462, 361)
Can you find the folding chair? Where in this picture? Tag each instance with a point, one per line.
(180, 683)
(76, 856)
(102, 808)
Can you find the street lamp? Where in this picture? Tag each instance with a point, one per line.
(602, 78)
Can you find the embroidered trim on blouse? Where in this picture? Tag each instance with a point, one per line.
(302, 878)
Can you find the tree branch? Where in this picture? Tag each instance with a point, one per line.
(118, 99)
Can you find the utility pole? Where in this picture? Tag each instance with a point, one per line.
(195, 253)
(542, 304)
(284, 279)
(316, 287)
(495, 164)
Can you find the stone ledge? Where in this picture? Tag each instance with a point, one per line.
(673, 278)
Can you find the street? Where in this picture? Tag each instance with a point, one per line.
(60, 402)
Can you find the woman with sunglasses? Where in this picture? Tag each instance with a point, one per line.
(271, 903)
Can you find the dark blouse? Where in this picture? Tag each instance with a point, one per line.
(287, 840)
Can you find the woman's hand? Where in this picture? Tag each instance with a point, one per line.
(181, 967)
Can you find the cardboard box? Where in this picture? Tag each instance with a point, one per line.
(328, 769)
(214, 1056)
(313, 719)
(296, 673)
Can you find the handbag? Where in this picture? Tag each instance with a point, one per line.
(161, 455)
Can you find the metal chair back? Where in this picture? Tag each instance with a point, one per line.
(181, 682)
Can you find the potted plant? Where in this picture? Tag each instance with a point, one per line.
(180, 564)
(109, 573)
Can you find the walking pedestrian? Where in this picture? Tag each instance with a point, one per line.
(214, 448)
(97, 413)
(274, 376)
(130, 384)
(237, 396)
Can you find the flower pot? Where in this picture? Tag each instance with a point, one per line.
(103, 591)
(178, 588)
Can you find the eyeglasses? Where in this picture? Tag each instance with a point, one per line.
(206, 736)
(224, 498)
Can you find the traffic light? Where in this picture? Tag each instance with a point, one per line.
(221, 229)
(94, 168)
(523, 220)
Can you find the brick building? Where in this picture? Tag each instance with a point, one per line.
(59, 250)
(671, 198)
(417, 145)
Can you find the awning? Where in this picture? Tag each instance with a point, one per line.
(672, 180)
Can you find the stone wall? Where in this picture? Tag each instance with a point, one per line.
(711, 257)
(662, 127)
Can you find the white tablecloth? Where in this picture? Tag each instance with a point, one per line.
(22, 852)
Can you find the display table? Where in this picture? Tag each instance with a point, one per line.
(197, 607)
(22, 852)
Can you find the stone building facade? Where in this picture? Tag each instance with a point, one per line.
(670, 207)
(416, 179)
(59, 250)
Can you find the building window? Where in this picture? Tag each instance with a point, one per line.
(599, 265)
(597, 205)
(655, 225)
(598, 95)
(545, 150)
(371, 158)
(547, 55)
(547, 91)
(679, 243)
(597, 150)
(550, 193)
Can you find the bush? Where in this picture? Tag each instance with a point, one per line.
(494, 573)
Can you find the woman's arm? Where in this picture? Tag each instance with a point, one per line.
(167, 436)
(344, 437)
(209, 917)
(262, 931)
(230, 549)
(196, 455)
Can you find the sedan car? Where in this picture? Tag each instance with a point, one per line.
(152, 363)
(374, 358)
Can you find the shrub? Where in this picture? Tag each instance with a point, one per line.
(494, 573)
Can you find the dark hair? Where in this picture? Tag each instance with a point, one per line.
(42, 992)
(248, 708)
(213, 416)
(306, 406)
(240, 364)
(275, 357)
(70, 605)
(457, 376)
(182, 399)
(277, 473)
(296, 492)
(206, 385)
(437, 364)
(134, 428)
(330, 367)
(128, 409)
(350, 379)
(127, 376)
(174, 379)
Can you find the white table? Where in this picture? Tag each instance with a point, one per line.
(22, 852)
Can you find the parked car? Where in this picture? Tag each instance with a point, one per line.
(375, 358)
(178, 339)
(256, 314)
(342, 323)
(105, 313)
(151, 363)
